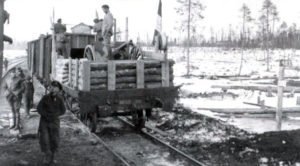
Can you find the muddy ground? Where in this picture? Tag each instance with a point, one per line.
(217, 143)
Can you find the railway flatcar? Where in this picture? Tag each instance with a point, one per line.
(95, 88)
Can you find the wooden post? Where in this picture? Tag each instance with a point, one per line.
(86, 75)
(140, 81)
(280, 95)
(111, 75)
(76, 73)
(70, 71)
(165, 74)
(1, 37)
(115, 31)
(41, 54)
(156, 43)
(126, 30)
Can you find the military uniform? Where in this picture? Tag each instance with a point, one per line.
(50, 108)
(107, 25)
(98, 30)
(14, 89)
(59, 30)
(28, 95)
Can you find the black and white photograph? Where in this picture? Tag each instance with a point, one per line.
(150, 83)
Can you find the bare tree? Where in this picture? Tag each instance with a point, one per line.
(246, 19)
(275, 17)
(265, 20)
(190, 12)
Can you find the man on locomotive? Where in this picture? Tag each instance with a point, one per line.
(107, 25)
(14, 89)
(50, 107)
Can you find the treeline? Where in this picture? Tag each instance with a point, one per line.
(266, 31)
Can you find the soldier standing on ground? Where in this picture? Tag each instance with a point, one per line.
(14, 89)
(107, 26)
(50, 108)
(28, 94)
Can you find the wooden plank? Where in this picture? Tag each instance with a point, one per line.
(257, 87)
(140, 81)
(76, 74)
(153, 55)
(32, 58)
(165, 74)
(41, 54)
(86, 75)
(111, 70)
(237, 111)
(70, 72)
(259, 105)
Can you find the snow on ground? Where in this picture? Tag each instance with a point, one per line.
(11, 54)
(208, 62)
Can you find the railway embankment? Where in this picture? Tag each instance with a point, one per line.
(77, 146)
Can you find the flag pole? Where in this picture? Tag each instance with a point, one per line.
(1, 37)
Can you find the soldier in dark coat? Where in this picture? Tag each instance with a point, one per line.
(50, 108)
(14, 89)
(28, 94)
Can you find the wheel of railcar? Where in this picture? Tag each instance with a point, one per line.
(138, 118)
(92, 55)
(89, 52)
(91, 121)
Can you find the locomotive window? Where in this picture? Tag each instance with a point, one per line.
(77, 53)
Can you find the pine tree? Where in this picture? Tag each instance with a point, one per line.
(246, 19)
(190, 12)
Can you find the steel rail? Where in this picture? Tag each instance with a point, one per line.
(144, 132)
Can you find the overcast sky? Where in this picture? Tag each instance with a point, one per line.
(30, 18)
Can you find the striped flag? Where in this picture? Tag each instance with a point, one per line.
(158, 29)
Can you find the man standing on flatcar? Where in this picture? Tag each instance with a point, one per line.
(14, 89)
(98, 28)
(107, 25)
(50, 107)
(60, 30)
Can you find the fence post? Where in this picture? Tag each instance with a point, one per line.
(76, 73)
(280, 95)
(86, 75)
(70, 71)
(111, 75)
(140, 77)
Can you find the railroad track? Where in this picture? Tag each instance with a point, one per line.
(143, 147)
(16, 62)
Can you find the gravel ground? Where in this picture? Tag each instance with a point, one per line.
(77, 147)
